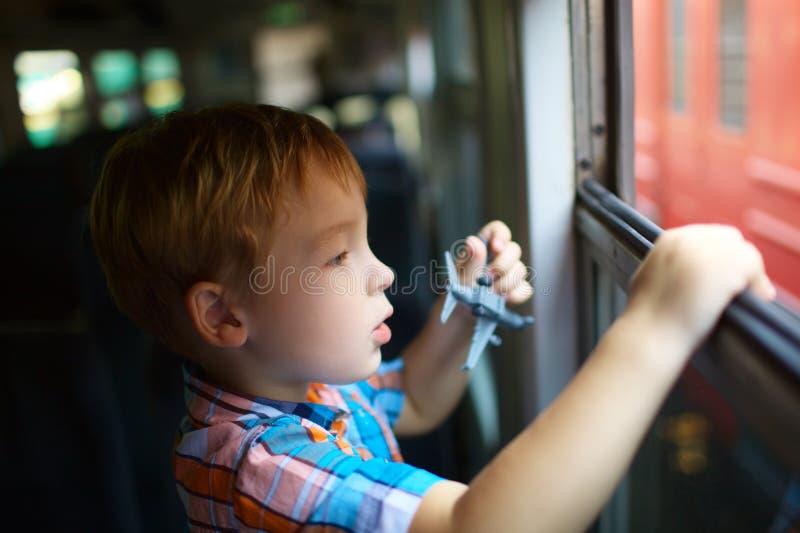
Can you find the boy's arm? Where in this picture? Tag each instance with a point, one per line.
(557, 474)
(433, 380)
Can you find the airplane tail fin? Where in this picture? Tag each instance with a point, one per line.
(452, 274)
(452, 278)
(449, 304)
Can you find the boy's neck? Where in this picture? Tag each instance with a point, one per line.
(254, 383)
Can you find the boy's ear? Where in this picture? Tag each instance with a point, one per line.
(212, 318)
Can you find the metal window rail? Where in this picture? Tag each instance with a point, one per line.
(753, 354)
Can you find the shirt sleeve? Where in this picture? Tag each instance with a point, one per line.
(385, 391)
(287, 482)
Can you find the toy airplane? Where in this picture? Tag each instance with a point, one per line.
(488, 306)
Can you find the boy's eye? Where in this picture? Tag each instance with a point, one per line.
(339, 259)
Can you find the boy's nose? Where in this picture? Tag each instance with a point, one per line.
(380, 278)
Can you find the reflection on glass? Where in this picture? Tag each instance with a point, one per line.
(717, 122)
(51, 96)
(704, 467)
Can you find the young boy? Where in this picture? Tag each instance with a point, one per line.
(238, 236)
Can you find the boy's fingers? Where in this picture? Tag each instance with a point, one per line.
(497, 234)
(511, 279)
(506, 260)
(764, 288)
(759, 282)
(472, 262)
(520, 294)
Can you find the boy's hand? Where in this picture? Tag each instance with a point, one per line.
(506, 270)
(691, 275)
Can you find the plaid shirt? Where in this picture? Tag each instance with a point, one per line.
(331, 463)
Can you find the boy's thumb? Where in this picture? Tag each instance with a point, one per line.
(471, 263)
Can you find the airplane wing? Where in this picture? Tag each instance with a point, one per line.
(512, 320)
(449, 304)
(455, 291)
(483, 332)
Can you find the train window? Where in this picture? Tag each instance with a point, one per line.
(731, 155)
(732, 62)
(731, 421)
(678, 27)
(51, 96)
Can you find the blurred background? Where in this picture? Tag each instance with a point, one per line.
(93, 404)
(717, 121)
(431, 98)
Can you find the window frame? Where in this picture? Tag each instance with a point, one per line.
(678, 56)
(738, 108)
(754, 353)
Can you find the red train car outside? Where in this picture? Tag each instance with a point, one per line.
(718, 121)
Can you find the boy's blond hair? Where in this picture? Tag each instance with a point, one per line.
(195, 196)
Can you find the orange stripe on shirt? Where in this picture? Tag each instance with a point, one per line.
(254, 515)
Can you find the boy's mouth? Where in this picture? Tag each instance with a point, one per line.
(382, 334)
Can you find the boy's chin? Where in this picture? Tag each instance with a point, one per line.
(362, 373)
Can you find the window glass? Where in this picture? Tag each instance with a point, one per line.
(704, 467)
(712, 460)
(717, 122)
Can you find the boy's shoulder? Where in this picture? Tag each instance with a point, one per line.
(358, 415)
(260, 456)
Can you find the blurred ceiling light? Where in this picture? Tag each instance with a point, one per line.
(324, 114)
(51, 90)
(69, 85)
(35, 96)
(421, 66)
(284, 60)
(44, 91)
(401, 111)
(115, 113)
(277, 47)
(160, 64)
(163, 96)
(35, 62)
(42, 129)
(355, 111)
(115, 71)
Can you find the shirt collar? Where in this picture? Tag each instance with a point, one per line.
(210, 404)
